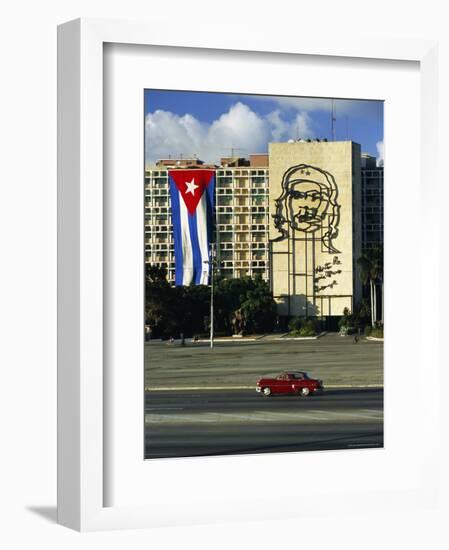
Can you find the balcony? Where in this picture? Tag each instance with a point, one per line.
(226, 256)
(259, 183)
(225, 237)
(225, 228)
(258, 238)
(224, 201)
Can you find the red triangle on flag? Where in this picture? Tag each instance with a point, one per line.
(191, 185)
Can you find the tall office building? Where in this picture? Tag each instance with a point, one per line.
(315, 236)
(241, 215)
(372, 181)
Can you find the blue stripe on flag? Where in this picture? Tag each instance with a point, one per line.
(196, 252)
(210, 214)
(177, 238)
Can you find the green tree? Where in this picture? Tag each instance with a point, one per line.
(186, 309)
(192, 306)
(259, 306)
(363, 312)
(253, 296)
(371, 274)
(228, 297)
(159, 301)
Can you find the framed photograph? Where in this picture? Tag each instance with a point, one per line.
(234, 236)
(263, 274)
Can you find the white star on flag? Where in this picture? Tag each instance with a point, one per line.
(191, 186)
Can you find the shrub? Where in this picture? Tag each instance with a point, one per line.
(377, 332)
(349, 323)
(307, 331)
(345, 329)
(295, 324)
(300, 326)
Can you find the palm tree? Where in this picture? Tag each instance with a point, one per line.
(371, 272)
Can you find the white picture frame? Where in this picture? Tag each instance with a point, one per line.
(82, 487)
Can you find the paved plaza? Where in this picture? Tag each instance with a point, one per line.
(335, 359)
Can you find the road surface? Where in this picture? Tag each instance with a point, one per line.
(201, 423)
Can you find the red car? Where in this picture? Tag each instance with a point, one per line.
(296, 382)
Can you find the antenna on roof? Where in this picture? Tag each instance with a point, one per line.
(232, 149)
(333, 119)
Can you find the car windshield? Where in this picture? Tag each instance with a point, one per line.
(300, 375)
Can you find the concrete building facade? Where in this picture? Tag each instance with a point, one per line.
(372, 188)
(315, 235)
(241, 217)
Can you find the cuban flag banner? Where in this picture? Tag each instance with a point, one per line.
(192, 195)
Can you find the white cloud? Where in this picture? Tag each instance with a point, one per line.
(380, 153)
(303, 125)
(279, 127)
(239, 127)
(168, 134)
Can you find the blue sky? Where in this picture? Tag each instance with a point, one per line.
(209, 124)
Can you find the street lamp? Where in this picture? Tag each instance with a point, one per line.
(212, 264)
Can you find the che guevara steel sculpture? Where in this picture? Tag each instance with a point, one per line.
(308, 203)
(307, 209)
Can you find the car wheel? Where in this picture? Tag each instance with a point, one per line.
(304, 392)
(266, 392)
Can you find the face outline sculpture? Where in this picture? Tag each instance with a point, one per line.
(308, 203)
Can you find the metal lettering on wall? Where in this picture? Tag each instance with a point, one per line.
(308, 203)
